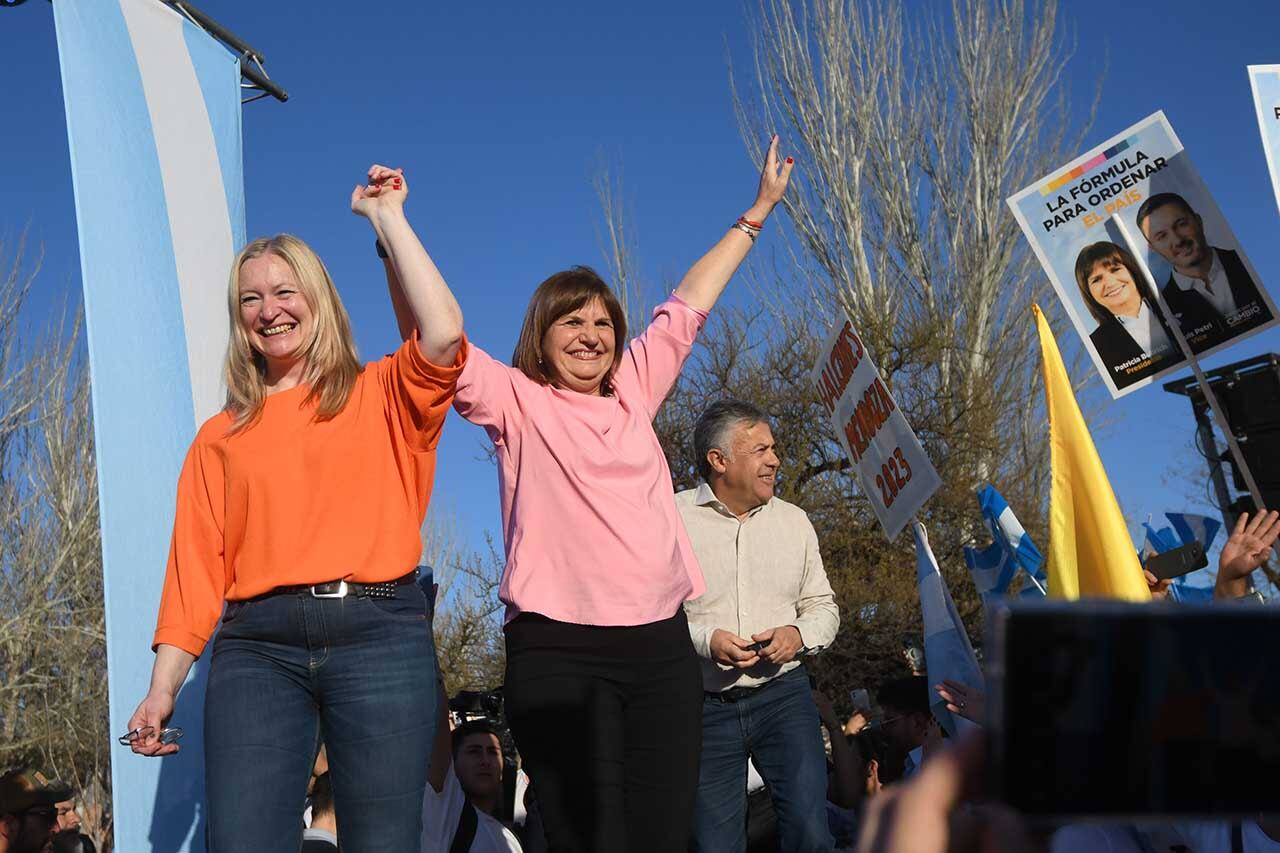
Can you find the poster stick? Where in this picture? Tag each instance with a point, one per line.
(1190, 356)
(1032, 578)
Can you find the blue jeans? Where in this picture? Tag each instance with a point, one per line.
(288, 670)
(776, 725)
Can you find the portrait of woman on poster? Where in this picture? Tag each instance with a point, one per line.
(1132, 338)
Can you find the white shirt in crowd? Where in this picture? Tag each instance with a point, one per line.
(1217, 290)
(1146, 331)
(441, 812)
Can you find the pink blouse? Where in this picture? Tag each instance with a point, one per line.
(589, 518)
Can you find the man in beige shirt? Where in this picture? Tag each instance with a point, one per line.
(767, 603)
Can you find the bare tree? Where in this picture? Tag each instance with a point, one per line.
(53, 672)
(468, 615)
(908, 139)
(618, 243)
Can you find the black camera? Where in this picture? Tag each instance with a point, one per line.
(475, 703)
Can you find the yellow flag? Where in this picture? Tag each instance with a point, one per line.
(1090, 552)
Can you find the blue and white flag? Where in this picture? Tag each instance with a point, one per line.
(153, 123)
(1159, 541)
(1184, 593)
(1011, 552)
(1194, 528)
(948, 654)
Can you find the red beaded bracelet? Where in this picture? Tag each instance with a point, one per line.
(759, 226)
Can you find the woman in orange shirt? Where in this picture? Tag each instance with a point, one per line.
(299, 505)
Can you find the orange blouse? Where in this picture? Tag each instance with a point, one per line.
(295, 500)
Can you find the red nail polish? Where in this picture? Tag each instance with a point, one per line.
(790, 159)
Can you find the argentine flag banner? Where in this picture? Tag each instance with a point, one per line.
(948, 654)
(1010, 552)
(153, 122)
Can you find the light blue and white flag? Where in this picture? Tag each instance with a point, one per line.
(948, 654)
(1010, 553)
(1184, 593)
(153, 122)
(1194, 528)
(1159, 541)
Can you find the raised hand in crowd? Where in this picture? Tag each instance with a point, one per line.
(1158, 588)
(968, 702)
(782, 644)
(857, 722)
(728, 649)
(919, 816)
(846, 792)
(1248, 547)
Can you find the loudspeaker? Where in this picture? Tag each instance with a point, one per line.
(1251, 401)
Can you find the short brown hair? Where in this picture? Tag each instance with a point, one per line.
(1096, 253)
(567, 290)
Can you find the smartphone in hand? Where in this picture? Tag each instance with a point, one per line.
(1124, 711)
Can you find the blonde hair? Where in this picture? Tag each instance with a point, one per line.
(329, 351)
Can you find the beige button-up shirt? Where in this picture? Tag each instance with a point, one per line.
(761, 572)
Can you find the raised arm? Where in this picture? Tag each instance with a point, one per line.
(424, 296)
(706, 279)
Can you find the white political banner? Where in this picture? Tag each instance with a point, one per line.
(1265, 82)
(1144, 178)
(892, 467)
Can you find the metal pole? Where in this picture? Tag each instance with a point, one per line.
(1209, 446)
(1194, 362)
(251, 60)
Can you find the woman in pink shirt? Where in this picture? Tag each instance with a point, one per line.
(603, 689)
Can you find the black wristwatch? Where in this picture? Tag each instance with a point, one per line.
(380, 249)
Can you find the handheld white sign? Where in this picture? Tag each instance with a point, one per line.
(892, 468)
(1145, 179)
(1265, 81)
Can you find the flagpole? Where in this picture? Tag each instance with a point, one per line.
(1192, 360)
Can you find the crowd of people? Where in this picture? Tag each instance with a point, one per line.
(655, 679)
(38, 815)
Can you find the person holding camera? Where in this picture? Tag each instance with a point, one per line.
(464, 789)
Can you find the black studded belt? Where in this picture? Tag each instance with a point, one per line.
(343, 589)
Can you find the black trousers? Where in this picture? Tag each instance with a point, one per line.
(608, 721)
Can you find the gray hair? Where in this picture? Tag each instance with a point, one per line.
(713, 428)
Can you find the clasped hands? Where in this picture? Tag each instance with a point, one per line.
(781, 645)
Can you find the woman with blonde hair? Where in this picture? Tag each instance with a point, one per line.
(299, 507)
(603, 689)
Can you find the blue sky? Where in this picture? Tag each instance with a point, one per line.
(499, 113)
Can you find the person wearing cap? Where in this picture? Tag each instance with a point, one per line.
(29, 810)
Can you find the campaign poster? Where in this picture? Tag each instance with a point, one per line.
(892, 468)
(1265, 81)
(1144, 177)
